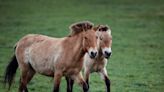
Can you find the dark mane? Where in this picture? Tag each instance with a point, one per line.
(101, 28)
(80, 26)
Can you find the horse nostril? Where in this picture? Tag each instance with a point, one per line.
(107, 53)
(93, 54)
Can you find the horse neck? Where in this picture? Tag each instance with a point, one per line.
(99, 49)
(100, 54)
(76, 42)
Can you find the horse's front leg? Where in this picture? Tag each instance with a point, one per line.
(57, 80)
(70, 83)
(104, 76)
(83, 84)
(86, 76)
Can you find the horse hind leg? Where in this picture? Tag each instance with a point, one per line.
(25, 78)
(23, 82)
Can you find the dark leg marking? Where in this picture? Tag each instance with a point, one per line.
(87, 81)
(56, 88)
(107, 82)
(85, 87)
(22, 87)
(70, 83)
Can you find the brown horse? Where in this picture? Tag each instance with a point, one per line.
(99, 63)
(55, 57)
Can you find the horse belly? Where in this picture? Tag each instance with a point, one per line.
(43, 67)
(43, 61)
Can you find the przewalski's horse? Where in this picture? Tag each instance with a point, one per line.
(55, 57)
(104, 52)
(99, 63)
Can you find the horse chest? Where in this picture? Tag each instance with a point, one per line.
(72, 68)
(71, 71)
(97, 66)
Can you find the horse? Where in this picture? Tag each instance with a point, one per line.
(53, 57)
(99, 63)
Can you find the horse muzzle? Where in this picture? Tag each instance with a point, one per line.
(93, 53)
(107, 52)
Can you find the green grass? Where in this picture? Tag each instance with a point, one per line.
(137, 63)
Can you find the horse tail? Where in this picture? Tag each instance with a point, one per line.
(10, 71)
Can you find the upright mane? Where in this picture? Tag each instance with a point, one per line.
(80, 26)
(101, 28)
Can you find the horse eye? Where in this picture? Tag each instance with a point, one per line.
(96, 37)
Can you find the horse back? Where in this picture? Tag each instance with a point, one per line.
(31, 43)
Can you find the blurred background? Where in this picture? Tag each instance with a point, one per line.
(137, 62)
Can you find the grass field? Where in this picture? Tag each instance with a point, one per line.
(137, 63)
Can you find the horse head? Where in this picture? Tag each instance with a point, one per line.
(89, 37)
(103, 33)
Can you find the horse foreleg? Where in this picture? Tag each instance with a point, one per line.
(86, 76)
(57, 80)
(107, 82)
(83, 84)
(104, 75)
(70, 83)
